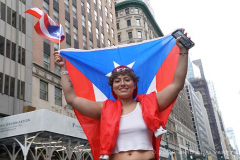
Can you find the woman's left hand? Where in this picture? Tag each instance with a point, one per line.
(180, 46)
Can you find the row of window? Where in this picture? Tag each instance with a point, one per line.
(44, 93)
(11, 50)
(12, 18)
(130, 35)
(136, 11)
(8, 87)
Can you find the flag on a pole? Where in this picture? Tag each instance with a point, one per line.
(154, 61)
(46, 27)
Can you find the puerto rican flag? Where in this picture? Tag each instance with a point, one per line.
(46, 27)
(154, 61)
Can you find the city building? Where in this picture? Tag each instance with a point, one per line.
(233, 142)
(197, 119)
(184, 126)
(211, 153)
(200, 84)
(87, 24)
(135, 21)
(15, 57)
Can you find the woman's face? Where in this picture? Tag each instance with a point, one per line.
(123, 86)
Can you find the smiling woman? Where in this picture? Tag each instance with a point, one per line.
(130, 125)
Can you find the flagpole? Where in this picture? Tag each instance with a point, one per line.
(59, 39)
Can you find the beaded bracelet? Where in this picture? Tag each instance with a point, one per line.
(63, 72)
(182, 54)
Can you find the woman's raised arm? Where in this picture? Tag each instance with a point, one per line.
(86, 107)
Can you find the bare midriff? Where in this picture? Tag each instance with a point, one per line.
(133, 155)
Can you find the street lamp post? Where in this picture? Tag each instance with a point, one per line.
(167, 134)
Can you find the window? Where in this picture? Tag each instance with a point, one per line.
(84, 42)
(107, 25)
(89, 26)
(1, 82)
(95, 15)
(109, 43)
(101, 21)
(8, 48)
(139, 34)
(88, 7)
(119, 38)
(112, 33)
(23, 57)
(67, 26)
(136, 10)
(129, 22)
(106, 11)
(138, 22)
(127, 10)
(43, 90)
(23, 25)
(68, 45)
(9, 15)
(110, 3)
(2, 45)
(45, 7)
(111, 17)
(13, 51)
(6, 86)
(74, 9)
(94, 1)
(57, 69)
(100, 4)
(82, 4)
(75, 34)
(19, 54)
(83, 21)
(118, 26)
(102, 37)
(20, 24)
(97, 32)
(56, 46)
(14, 18)
(58, 96)
(2, 14)
(66, 5)
(55, 16)
(116, 14)
(46, 61)
(130, 35)
(90, 44)
(12, 86)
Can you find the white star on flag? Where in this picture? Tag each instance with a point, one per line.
(57, 33)
(116, 65)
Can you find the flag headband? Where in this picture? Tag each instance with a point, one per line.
(122, 68)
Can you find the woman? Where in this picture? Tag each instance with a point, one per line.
(124, 88)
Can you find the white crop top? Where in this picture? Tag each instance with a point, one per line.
(133, 133)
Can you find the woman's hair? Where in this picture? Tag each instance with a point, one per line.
(123, 72)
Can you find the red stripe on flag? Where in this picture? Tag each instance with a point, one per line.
(164, 77)
(84, 88)
(34, 13)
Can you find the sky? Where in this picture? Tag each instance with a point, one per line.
(214, 26)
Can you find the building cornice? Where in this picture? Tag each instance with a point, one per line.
(143, 6)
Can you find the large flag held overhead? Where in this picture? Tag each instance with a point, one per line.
(46, 27)
(153, 61)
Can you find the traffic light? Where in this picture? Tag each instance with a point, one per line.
(166, 147)
(221, 156)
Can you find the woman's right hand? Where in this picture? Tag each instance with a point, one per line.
(58, 59)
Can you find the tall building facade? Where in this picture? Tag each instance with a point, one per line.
(200, 84)
(88, 24)
(135, 22)
(197, 119)
(231, 136)
(211, 153)
(15, 57)
(184, 126)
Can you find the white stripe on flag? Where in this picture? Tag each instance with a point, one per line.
(99, 96)
(44, 29)
(39, 11)
(152, 86)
